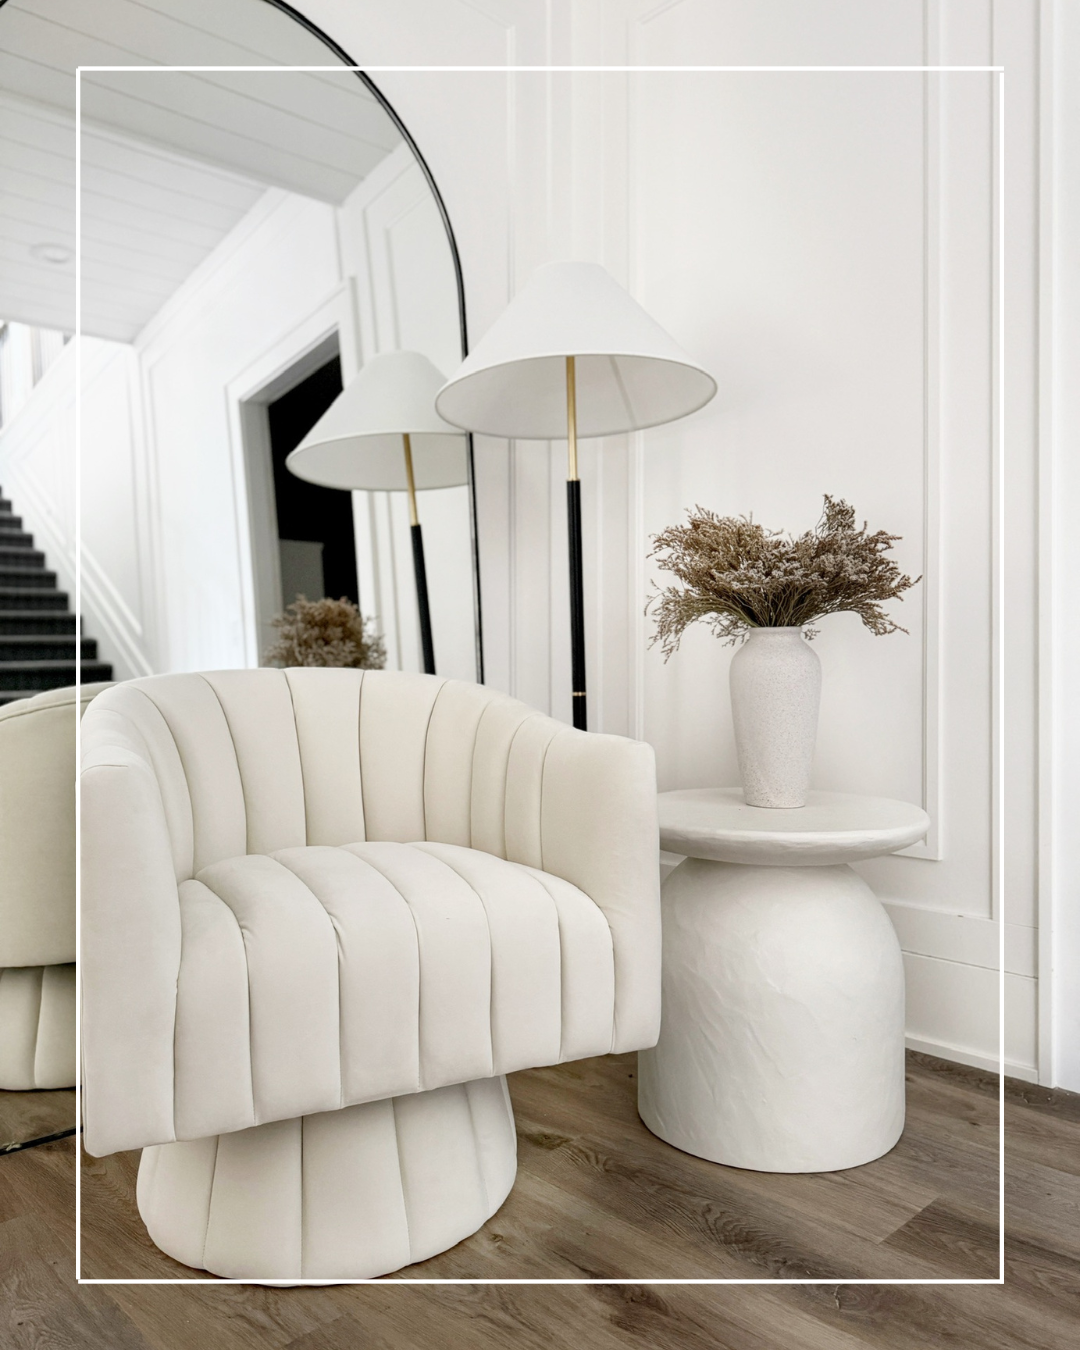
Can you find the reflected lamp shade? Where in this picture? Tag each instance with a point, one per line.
(357, 443)
(630, 373)
(365, 440)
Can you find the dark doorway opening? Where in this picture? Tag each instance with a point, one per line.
(314, 524)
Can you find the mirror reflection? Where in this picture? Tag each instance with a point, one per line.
(251, 241)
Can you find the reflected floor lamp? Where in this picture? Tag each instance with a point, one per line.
(365, 440)
(573, 355)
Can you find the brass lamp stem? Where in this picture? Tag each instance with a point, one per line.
(414, 519)
(571, 420)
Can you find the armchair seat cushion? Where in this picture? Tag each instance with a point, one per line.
(313, 978)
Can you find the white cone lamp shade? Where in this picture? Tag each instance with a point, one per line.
(357, 441)
(630, 373)
(573, 355)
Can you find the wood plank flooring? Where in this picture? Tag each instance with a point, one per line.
(31, 1115)
(597, 1196)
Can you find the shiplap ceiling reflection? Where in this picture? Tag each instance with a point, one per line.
(171, 160)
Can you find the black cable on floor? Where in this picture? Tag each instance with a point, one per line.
(33, 1143)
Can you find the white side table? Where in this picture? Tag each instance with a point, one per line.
(782, 1033)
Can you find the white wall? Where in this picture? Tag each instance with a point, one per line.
(1059, 484)
(261, 284)
(837, 304)
(825, 243)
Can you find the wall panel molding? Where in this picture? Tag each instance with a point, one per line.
(948, 927)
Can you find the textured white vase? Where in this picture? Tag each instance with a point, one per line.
(775, 694)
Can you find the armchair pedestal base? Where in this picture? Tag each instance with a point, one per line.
(343, 1195)
(37, 1027)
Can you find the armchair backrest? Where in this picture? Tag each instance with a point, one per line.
(250, 761)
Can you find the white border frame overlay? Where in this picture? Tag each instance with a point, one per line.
(998, 649)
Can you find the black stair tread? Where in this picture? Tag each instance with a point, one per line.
(33, 597)
(14, 621)
(16, 539)
(42, 637)
(19, 555)
(15, 667)
(43, 649)
(28, 577)
(33, 676)
(62, 641)
(10, 525)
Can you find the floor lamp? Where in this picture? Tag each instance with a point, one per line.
(366, 438)
(573, 355)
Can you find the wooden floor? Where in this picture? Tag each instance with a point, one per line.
(598, 1197)
(25, 1116)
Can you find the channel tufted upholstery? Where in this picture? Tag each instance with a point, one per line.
(280, 1202)
(308, 889)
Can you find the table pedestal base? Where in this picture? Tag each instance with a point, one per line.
(782, 1039)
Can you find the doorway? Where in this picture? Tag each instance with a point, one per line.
(315, 536)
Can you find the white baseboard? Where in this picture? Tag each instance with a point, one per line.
(971, 1059)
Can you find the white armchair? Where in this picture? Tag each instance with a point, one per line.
(325, 912)
(37, 889)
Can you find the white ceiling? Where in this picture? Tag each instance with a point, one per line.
(37, 206)
(149, 218)
(171, 160)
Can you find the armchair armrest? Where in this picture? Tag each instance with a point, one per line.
(130, 955)
(598, 830)
(37, 827)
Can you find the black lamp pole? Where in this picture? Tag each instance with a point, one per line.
(418, 565)
(573, 535)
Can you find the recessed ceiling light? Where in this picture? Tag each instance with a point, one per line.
(55, 254)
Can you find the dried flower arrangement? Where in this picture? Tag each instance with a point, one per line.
(736, 575)
(326, 633)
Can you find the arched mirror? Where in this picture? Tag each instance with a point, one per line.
(250, 240)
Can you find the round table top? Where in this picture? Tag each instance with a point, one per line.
(833, 827)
